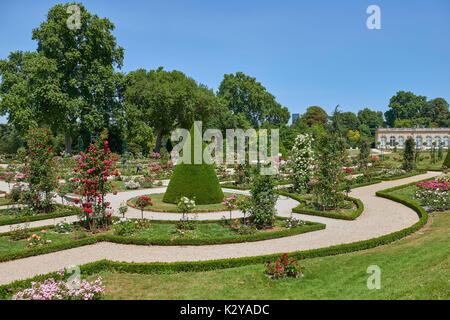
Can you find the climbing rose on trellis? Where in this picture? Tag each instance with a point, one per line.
(92, 182)
(39, 171)
(302, 163)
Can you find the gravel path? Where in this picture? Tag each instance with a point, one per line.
(380, 217)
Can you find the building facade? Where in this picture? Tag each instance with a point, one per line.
(387, 138)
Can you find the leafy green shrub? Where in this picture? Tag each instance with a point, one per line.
(124, 228)
(262, 212)
(197, 181)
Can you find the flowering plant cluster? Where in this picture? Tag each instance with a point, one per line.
(146, 182)
(131, 184)
(329, 183)
(154, 167)
(230, 203)
(302, 162)
(293, 222)
(284, 268)
(92, 184)
(51, 289)
(185, 205)
(155, 155)
(142, 202)
(349, 170)
(37, 241)
(39, 171)
(434, 194)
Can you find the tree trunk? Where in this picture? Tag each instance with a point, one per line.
(158, 141)
(68, 143)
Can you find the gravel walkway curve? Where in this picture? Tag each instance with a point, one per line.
(381, 216)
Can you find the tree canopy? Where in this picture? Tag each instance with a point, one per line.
(70, 81)
(165, 100)
(243, 94)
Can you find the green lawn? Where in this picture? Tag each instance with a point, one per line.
(159, 205)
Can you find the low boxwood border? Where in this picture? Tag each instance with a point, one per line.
(310, 226)
(355, 214)
(129, 203)
(53, 215)
(299, 209)
(406, 175)
(195, 266)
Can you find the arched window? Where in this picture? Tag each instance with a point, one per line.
(419, 142)
(392, 141)
(446, 141)
(401, 141)
(437, 139)
(383, 141)
(429, 141)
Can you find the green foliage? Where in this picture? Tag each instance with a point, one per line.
(262, 212)
(313, 115)
(244, 95)
(124, 228)
(364, 152)
(70, 82)
(164, 100)
(329, 182)
(447, 159)
(195, 181)
(408, 154)
(39, 172)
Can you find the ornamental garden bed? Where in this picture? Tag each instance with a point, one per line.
(352, 208)
(16, 244)
(160, 206)
(396, 174)
(432, 194)
(22, 214)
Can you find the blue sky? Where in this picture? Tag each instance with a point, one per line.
(304, 52)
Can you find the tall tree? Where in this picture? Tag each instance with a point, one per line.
(165, 100)
(315, 114)
(372, 119)
(70, 78)
(245, 95)
(405, 105)
(438, 111)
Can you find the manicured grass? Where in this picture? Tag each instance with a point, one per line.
(5, 201)
(412, 268)
(407, 193)
(160, 206)
(423, 161)
(13, 216)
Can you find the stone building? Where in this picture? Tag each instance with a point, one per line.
(424, 137)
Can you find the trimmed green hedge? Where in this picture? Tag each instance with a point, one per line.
(406, 175)
(363, 184)
(447, 159)
(56, 214)
(310, 226)
(355, 214)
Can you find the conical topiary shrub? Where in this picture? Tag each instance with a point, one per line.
(197, 181)
(447, 159)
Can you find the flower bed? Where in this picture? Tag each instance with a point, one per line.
(349, 214)
(153, 232)
(160, 206)
(10, 216)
